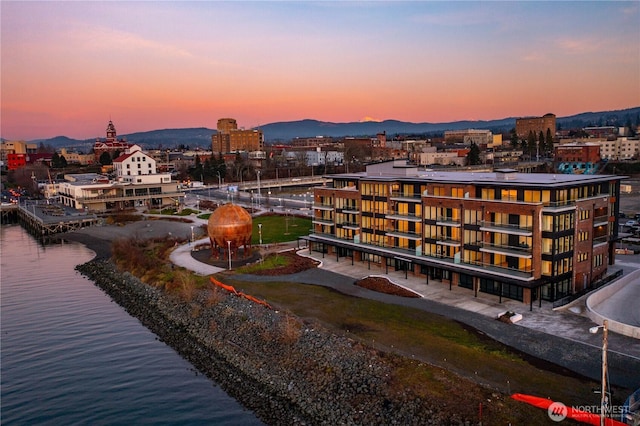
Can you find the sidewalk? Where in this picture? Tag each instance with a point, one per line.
(570, 323)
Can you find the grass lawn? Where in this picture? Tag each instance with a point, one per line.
(424, 336)
(279, 229)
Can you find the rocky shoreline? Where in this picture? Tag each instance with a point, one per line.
(286, 371)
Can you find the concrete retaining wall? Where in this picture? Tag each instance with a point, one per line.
(599, 296)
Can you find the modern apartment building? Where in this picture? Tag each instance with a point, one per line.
(231, 139)
(528, 237)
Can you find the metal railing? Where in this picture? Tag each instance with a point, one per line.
(498, 225)
(508, 248)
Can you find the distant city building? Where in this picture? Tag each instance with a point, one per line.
(321, 157)
(317, 141)
(526, 125)
(619, 149)
(523, 236)
(231, 139)
(73, 157)
(137, 182)
(578, 152)
(469, 136)
(578, 158)
(608, 132)
(431, 156)
(17, 154)
(111, 144)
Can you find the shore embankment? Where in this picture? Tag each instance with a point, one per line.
(285, 370)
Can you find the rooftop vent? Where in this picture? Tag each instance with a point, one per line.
(506, 174)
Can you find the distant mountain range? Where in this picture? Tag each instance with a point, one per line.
(284, 132)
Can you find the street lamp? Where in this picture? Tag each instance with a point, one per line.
(603, 395)
(258, 188)
(229, 245)
(260, 232)
(218, 179)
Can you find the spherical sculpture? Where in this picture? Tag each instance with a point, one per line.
(230, 226)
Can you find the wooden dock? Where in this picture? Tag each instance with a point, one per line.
(44, 219)
(8, 213)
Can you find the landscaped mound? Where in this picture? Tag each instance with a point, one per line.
(383, 285)
(283, 263)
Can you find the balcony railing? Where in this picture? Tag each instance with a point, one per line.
(601, 239)
(392, 214)
(520, 251)
(443, 239)
(403, 234)
(402, 196)
(322, 206)
(505, 227)
(322, 221)
(347, 224)
(600, 220)
(519, 272)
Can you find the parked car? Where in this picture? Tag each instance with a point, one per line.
(631, 223)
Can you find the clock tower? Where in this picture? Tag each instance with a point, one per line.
(111, 132)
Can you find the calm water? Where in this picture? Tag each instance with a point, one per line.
(71, 356)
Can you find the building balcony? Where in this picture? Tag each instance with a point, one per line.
(400, 196)
(349, 225)
(436, 260)
(447, 221)
(391, 214)
(348, 210)
(447, 241)
(501, 268)
(325, 207)
(523, 252)
(600, 240)
(406, 234)
(321, 221)
(506, 228)
(600, 220)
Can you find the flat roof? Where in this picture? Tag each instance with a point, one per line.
(494, 178)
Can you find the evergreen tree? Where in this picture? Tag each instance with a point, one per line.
(473, 157)
(197, 171)
(531, 144)
(55, 161)
(514, 139)
(105, 159)
(541, 147)
(548, 144)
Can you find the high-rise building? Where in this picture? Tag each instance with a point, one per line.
(522, 236)
(231, 139)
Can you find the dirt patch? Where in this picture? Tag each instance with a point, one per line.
(383, 285)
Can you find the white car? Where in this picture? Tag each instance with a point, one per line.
(631, 223)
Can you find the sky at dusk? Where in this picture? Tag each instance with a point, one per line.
(67, 67)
